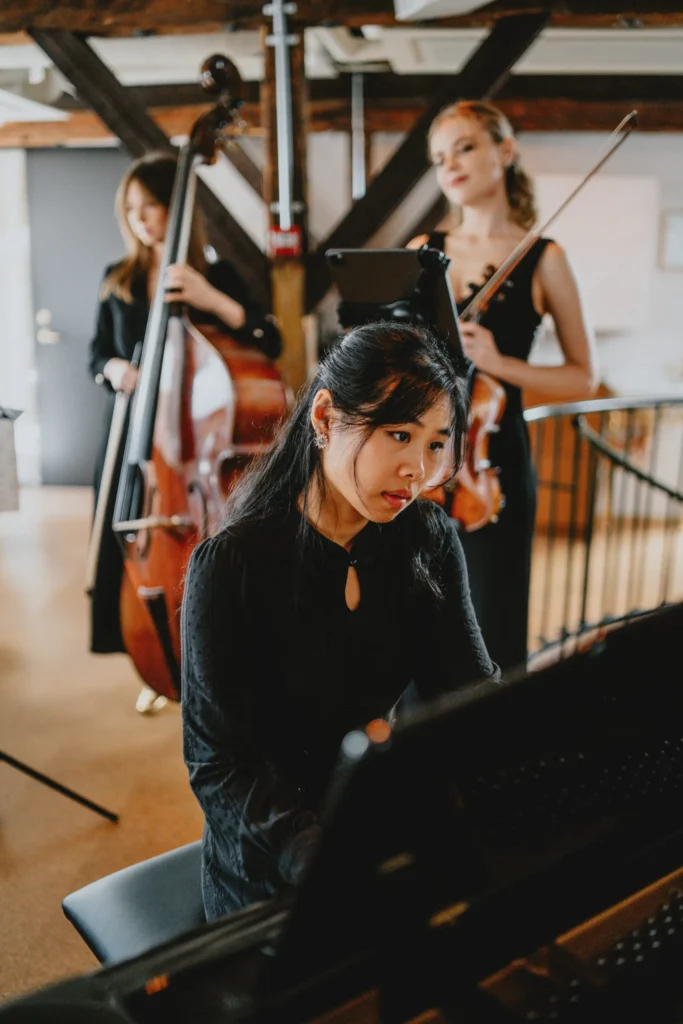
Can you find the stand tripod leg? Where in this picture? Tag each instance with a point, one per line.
(64, 790)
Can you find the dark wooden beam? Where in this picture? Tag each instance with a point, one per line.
(524, 115)
(84, 127)
(427, 223)
(102, 91)
(568, 12)
(384, 88)
(594, 88)
(243, 163)
(557, 115)
(123, 17)
(180, 95)
(483, 75)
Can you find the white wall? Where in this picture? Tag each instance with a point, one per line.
(645, 360)
(17, 364)
(648, 359)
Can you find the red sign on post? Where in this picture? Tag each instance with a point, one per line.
(285, 243)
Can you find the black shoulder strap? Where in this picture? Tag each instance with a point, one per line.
(528, 265)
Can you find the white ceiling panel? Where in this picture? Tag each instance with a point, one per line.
(557, 51)
(141, 61)
(654, 51)
(406, 50)
(407, 9)
(15, 107)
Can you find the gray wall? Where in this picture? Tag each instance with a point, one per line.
(74, 234)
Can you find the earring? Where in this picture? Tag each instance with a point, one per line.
(321, 440)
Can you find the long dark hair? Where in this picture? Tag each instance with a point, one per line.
(155, 173)
(379, 374)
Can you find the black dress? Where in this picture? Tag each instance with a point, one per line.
(120, 326)
(499, 555)
(276, 670)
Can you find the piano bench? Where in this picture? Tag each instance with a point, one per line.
(140, 907)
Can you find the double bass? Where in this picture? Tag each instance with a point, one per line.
(203, 407)
(476, 498)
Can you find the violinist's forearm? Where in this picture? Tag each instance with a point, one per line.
(569, 382)
(226, 309)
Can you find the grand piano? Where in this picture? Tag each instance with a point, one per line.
(514, 853)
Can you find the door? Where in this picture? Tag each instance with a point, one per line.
(74, 235)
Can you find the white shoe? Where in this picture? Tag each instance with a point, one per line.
(149, 701)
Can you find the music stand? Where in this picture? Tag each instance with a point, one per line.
(45, 780)
(406, 285)
(13, 762)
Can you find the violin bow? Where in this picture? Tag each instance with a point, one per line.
(487, 291)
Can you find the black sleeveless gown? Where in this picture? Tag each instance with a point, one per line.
(499, 555)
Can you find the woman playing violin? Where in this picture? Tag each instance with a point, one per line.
(215, 294)
(473, 149)
(329, 590)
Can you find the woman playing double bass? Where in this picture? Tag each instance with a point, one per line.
(473, 149)
(215, 293)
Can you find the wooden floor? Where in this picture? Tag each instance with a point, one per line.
(628, 567)
(71, 715)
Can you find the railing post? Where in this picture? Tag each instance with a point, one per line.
(603, 598)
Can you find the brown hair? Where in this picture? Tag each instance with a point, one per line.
(518, 185)
(155, 173)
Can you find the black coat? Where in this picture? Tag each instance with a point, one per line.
(120, 326)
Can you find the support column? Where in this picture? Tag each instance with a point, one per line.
(284, 186)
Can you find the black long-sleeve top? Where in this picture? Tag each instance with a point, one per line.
(276, 670)
(121, 325)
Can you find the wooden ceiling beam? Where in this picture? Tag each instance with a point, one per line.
(85, 128)
(413, 91)
(427, 223)
(482, 75)
(386, 86)
(539, 115)
(104, 94)
(560, 115)
(126, 17)
(242, 162)
(594, 88)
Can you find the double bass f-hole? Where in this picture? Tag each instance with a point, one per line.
(196, 490)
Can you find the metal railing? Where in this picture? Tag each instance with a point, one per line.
(608, 540)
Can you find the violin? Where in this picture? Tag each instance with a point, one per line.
(475, 498)
(203, 407)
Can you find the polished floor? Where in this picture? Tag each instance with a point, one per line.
(71, 715)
